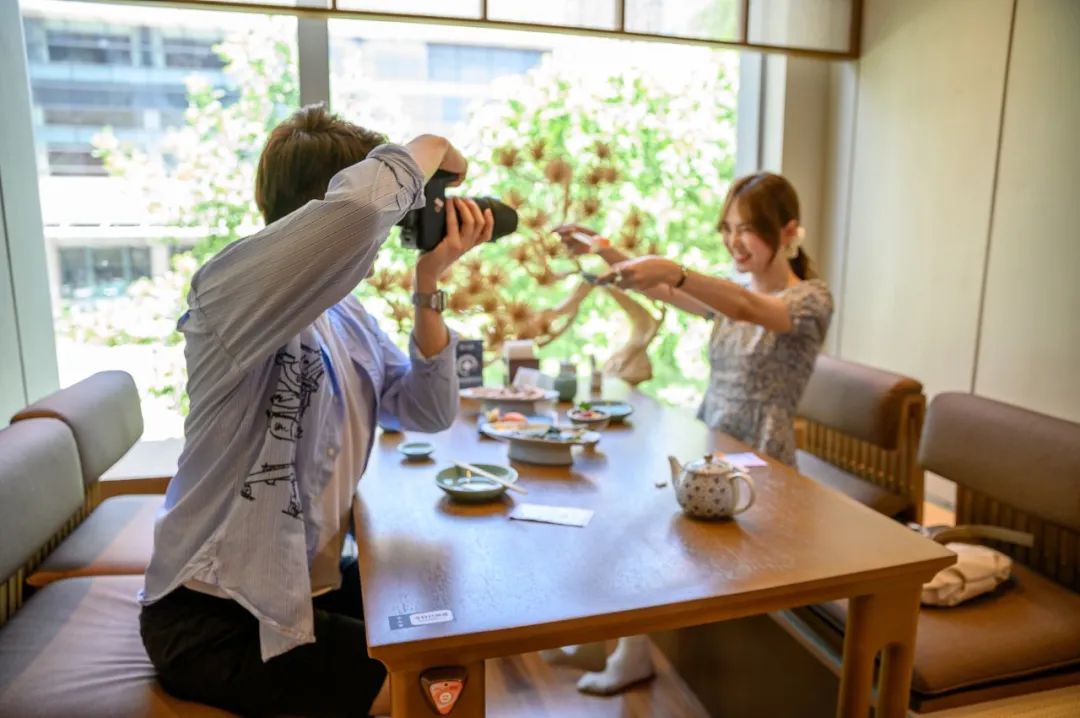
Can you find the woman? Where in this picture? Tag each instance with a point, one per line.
(764, 343)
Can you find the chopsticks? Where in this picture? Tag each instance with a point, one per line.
(489, 475)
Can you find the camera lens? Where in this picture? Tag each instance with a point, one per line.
(506, 218)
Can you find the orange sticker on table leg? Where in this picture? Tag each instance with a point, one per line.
(444, 695)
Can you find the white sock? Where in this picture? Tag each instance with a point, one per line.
(629, 663)
(587, 656)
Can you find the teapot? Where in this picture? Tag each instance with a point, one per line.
(709, 488)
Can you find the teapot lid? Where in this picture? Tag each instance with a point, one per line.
(710, 465)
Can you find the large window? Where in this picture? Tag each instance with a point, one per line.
(122, 166)
(635, 139)
(148, 122)
(478, 64)
(101, 271)
(96, 48)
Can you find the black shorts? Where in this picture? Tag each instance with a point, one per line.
(206, 649)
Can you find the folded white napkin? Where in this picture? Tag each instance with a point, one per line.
(977, 570)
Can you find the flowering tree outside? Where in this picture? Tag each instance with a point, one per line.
(644, 161)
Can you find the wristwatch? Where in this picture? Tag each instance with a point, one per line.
(435, 300)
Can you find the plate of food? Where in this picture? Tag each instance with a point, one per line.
(538, 443)
(595, 419)
(520, 399)
(508, 420)
(462, 485)
(617, 410)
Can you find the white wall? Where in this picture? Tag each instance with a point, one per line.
(955, 261)
(1029, 350)
(926, 129)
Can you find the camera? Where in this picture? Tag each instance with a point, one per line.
(424, 228)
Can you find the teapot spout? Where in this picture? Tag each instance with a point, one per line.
(676, 470)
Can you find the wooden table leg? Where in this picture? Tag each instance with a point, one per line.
(407, 698)
(884, 622)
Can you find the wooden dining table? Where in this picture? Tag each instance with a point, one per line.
(447, 585)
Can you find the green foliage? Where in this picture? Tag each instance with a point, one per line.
(650, 163)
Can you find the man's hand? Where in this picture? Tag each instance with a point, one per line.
(455, 162)
(466, 227)
(432, 152)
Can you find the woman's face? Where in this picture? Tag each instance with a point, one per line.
(750, 252)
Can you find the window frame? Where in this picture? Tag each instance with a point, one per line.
(325, 9)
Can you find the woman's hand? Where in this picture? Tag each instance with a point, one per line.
(576, 245)
(466, 227)
(644, 273)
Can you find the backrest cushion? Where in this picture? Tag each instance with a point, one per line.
(104, 414)
(40, 487)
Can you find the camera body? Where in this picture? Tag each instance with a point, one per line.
(424, 228)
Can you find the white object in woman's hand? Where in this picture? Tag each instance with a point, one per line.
(579, 240)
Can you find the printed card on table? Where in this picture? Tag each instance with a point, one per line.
(743, 459)
(562, 515)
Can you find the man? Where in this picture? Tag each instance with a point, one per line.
(247, 605)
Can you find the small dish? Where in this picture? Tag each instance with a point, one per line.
(595, 419)
(460, 486)
(416, 450)
(618, 410)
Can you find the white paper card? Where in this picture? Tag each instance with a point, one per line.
(527, 376)
(744, 460)
(562, 515)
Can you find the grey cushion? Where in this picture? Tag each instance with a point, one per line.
(1028, 460)
(104, 414)
(857, 400)
(40, 487)
(115, 539)
(74, 650)
(863, 491)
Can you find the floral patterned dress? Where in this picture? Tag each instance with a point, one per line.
(758, 375)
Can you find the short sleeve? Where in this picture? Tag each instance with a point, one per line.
(810, 304)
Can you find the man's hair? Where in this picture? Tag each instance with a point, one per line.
(301, 156)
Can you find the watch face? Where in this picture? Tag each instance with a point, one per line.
(436, 300)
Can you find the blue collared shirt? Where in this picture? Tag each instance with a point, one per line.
(267, 316)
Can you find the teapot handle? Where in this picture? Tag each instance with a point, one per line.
(750, 485)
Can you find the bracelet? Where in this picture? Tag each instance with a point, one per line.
(682, 279)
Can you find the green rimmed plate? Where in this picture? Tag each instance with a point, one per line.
(456, 482)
